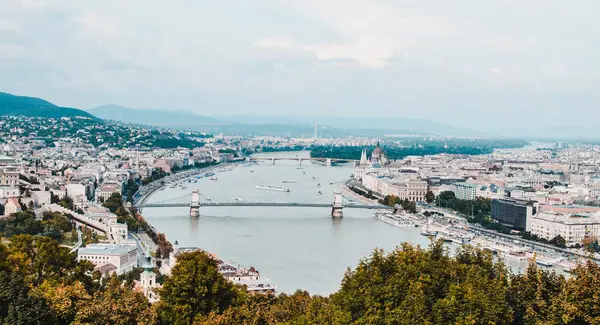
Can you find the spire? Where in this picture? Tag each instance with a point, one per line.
(148, 266)
(363, 157)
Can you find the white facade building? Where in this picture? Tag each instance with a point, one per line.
(9, 176)
(122, 257)
(465, 191)
(106, 190)
(574, 228)
(7, 191)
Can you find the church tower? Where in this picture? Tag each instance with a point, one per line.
(148, 279)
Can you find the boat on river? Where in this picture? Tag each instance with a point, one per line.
(213, 178)
(289, 181)
(427, 232)
(273, 188)
(393, 219)
(546, 261)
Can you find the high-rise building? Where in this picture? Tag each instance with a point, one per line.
(465, 191)
(514, 213)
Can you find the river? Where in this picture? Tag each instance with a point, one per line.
(297, 248)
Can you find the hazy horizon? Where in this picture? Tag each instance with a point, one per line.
(507, 67)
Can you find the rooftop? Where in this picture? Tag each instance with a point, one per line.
(107, 249)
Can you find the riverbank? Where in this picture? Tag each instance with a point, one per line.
(147, 190)
(458, 230)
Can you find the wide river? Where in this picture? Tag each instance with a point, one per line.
(297, 248)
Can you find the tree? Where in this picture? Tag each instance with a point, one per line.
(530, 294)
(17, 306)
(579, 302)
(41, 258)
(558, 241)
(53, 198)
(115, 305)
(23, 222)
(194, 290)
(114, 202)
(429, 197)
(62, 299)
(415, 286)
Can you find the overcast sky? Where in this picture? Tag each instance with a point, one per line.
(468, 62)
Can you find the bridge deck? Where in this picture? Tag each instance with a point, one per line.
(262, 204)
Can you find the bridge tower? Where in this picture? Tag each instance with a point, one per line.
(338, 206)
(195, 204)
(328, 162)
(273, 161)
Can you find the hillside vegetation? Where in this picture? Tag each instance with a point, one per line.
(42, 283)
(12, 105)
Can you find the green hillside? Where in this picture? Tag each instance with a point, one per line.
(34, 107)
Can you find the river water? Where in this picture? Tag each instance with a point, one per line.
(297, 248)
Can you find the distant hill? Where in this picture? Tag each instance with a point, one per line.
(35, 107)
(164, 118)
(385, 126)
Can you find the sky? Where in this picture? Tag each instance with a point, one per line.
(509, 65)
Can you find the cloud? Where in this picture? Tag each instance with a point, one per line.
(32, 3)
(12, 51)
(407, 57)
(496, 70)
(97, 26)
(275, 43)
(374, 53)
(6, 25)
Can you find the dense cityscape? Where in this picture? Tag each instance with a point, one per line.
(73, 187)
(299, 162)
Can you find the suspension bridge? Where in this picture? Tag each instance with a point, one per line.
(324, 161)
(193, 202)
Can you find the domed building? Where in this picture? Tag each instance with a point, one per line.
(378, 158)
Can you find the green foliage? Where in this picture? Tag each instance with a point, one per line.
(42, 283)
(429, 197)
(67, 203)
(229, 151)
(194, 290)
(35, 107)
(420, 147)
(391, 200)
(21, 223)
(130, 188)
(416, 286)
(475, 211)
(117, 305)
(156, 174)
(353, 153)
(17, 306)
(558, 241)
(114, 202)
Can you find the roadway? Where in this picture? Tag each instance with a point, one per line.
(512, 238)
(263, 204)
(79, 241)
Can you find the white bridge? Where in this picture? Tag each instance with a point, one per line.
(325, 161)
(193, 202)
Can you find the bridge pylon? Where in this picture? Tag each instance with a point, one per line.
(195, 204)
(338, 206)
(328, 162)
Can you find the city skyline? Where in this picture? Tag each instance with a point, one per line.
(468, 63)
